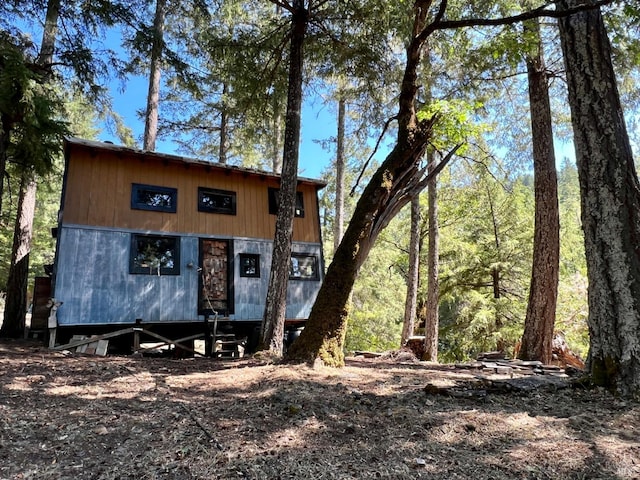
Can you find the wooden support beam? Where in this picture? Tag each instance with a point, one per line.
(94, 338)
(177, 342)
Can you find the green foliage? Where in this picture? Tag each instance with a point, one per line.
(572, 311)
(81, 117)
(236, 68)
(29, 106)
(486, 244)
(377, 304)
(455, 122)
(81, 58)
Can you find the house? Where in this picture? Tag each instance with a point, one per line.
(166, 242)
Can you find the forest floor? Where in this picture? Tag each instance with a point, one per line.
(121, 417)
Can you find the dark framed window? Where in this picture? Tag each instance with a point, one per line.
(274, 202)
(154, 255)
(216, 201)
(249, 265)
(150, 197)
(303, 267)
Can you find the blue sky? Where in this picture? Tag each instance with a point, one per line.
(318, 123)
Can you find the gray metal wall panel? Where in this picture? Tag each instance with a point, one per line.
(93, 281)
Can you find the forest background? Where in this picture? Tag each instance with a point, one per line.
(223, 72)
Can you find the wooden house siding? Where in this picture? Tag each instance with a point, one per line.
(99, 193)
(99, 283)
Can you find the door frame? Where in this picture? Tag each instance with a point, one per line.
(230, 277)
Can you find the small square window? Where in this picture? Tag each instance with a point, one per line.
(150, 197)
(216, 201)
(154, 255)
(249, 265)
(274, 201)
(303, 267)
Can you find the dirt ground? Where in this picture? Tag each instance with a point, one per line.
(88, 417)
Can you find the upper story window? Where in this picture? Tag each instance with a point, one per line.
(216, 201)
(274, 201)
(151, 197)
(154, 255)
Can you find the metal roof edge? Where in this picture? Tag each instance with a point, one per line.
(111, 147)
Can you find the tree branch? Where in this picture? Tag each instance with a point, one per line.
(366, 164)
(286, 5)
(438, 168)
(541, 11)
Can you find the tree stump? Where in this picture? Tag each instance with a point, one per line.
(416, 345)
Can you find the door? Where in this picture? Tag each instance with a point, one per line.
(216, 278)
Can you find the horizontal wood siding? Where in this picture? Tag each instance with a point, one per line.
(93, 281)
(98, 193)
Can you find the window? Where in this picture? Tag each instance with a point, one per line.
(149, 197)
(216, 201)
(274, 201)
(249, 265)
(303, 267)
(154, 255)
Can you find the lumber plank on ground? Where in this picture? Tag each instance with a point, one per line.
(95, 338)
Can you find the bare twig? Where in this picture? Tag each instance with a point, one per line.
(375, 150)
(199, 424)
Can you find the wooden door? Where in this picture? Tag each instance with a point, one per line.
(215, 294)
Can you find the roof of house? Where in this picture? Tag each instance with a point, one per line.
(165, 157)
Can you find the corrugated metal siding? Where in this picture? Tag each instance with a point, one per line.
(93, 281)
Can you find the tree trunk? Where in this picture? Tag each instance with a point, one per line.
(18, 278)
(541, 310)
(433, 286)
(391, 187)
(49, 34)
(413, 273)
(224, 126)
(153, 97)
(276, 141)
(610, 201)
(4, 146)
(16, 304)
(338, 223)
(272, 331)
(495, 270)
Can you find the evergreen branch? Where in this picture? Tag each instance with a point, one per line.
(286, 5)
(319, 5)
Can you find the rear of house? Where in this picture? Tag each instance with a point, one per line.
(167, 241)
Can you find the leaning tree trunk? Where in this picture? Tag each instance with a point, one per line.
(610, 201)
(153, 96)
(272, 330)
(541, 310)
(16, 304)
(391, 187)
